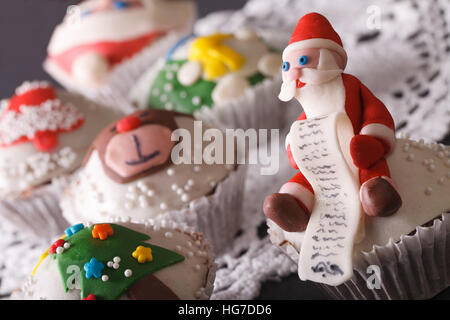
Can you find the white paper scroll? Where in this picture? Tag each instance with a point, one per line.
(320, 147)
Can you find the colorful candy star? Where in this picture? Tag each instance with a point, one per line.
(57, 244)
(102, 231)
(93, 269)
(143, 254)
(74, 229)
(90, 297)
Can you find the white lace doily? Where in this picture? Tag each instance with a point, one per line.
(406, 63)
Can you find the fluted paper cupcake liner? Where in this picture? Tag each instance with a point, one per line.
(38, 213)
(258, 108)
(415, 267)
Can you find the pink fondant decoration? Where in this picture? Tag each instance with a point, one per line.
(132, 152)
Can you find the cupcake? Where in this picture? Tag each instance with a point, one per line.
(228, 79)
(366, 213)
(132, 171)
(123, 261)
(403, 256)
(102, 46)
(44, 135)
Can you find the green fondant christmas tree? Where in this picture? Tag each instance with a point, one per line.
(124, 241)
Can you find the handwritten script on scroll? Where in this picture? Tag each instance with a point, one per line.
(320, 147)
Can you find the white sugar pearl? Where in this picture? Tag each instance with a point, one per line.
(196, 168)
(197, 267)
(169, 75)
(185, 198)
(187, 187)
(128, 273)
(428, 191)
(110, 264)
(66, 245)
(156, 92)
(180, 191)
(150, 193)
(441, 180)
(411, 157)
(178, 247)
(168, 87)
(163, 206)
(116, 259)
(105, 278)
(168, 106)
(174, 187)
(190, 182)
(170, 171)
(190, 254)
(163, 98)
(168, 234)
(196, 100)
(116, 266)
(212, 183)
(59, 250)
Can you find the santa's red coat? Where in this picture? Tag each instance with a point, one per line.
(369, 116)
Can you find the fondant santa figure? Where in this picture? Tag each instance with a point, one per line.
(313, 65)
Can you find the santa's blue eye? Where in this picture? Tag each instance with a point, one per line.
(121, 4)
(285, 66)
(303, 60)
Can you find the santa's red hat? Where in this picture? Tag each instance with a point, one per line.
(313, 30)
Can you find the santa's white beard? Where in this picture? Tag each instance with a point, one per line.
(288, 90)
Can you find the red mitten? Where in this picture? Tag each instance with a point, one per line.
(291, 158)
(366, 150)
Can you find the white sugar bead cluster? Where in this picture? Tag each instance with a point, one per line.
(51, 115)
(40, 164)
(31, 85)
(442, 154)
(139, 194)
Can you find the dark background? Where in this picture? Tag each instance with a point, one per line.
(25, 28)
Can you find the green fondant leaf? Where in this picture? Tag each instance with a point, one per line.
(122, 244)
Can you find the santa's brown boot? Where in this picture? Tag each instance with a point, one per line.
(379, 198)
(286, 212)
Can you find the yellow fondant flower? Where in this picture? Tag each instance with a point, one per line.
(143, 254)
(216, 58)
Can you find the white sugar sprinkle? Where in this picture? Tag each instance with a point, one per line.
(128, 273)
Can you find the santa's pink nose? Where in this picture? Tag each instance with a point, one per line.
(128, 123)
(293, 74)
